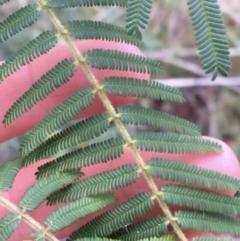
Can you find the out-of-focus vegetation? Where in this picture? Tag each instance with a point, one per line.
(170, 39)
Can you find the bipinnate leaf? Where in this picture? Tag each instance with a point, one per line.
(59, 116)
(8, 172)
(8, 224)
(200, 199)
(143, 116)
(153, 227)
(116, 218)
(210, 36)
(202, 238)
(177, 171)
(121, 86)
(19, 20)
(3, 1)
(85, 29)
(68, 214)
(100, 183)
(84, 3)
(101, 152)
(208, 222)
(137, 16)
(33, 49)
(75, 135)
(59, 75)
(174, 143)
(41, 189)
(117, 60)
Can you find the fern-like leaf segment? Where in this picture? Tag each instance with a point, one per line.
(8, 172)
(8, 224)
(59, 116)
(141, 88)
(186, 173)
(199, 199)
(84, 3)
(116, 218)
(19, 20)
(53, 79)
(208, 222)
(99, 30)
(144, 116)
(68, 214)
(138, 13)
(202, 238)
(36, 47)
(99, 183)
(117, 60)
(74, 135)
(3, 1)
(90, 155)
(37, 193)
(210, 36)
(174, 143)
(153, 227)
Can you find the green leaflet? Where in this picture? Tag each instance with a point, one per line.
(116, 218)
(49, 82)
(95, 239)
(212, 239)
(99, 30)
(210, 36)
(138, 13)
(96, 153)
(41, 189)
(208, 222)
(163, 238)
(99, 183)
(84, 3)
(183, 172)
(59, 116)
(33, 49)
(19, 20)
(68, 214)
(174, 143)
(74, 135)
(8, 224)
(8, 172)
(200, 199)
(121, 86)
(117, 60)
(148, 117)
(153, 227)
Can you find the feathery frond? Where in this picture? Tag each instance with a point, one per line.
(212, 239)
(169, 237)
(153, 227)
(74, 135)
(121, 86)
(174, 143)
(59, 116)
(117, 60)
(8, 172)
(33, 49)
(93, 154)
(19, 20)
(200, 199)
(186, 173)
(85, 29)
(148, 117)
(116, 218)
(68, 214)
(208, 222)
(38, 192)
(99, 183)
(8, 224)
(138, 13)
(59, 75)
(84, 3)
(210, 36)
